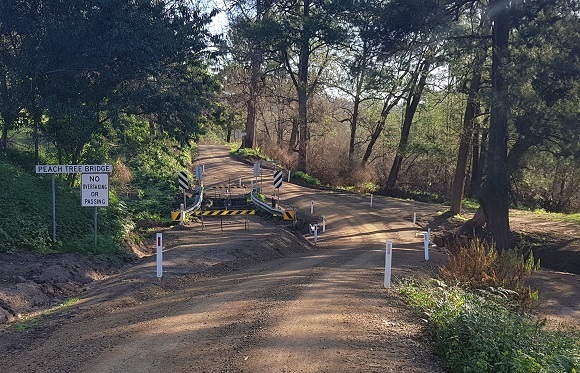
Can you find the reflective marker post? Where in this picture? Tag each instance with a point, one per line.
(388, 259)
(426, 239)
(159, 240)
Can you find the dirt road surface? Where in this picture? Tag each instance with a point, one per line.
(250, 300)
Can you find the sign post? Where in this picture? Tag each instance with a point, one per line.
(53, 210)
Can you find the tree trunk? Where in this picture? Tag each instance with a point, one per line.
(302, 89)
(353, 125)
(249, 140)
(471, 111)
(411, 108)
(479, 157)
(495, 189)
(293, 136)
(360, 78)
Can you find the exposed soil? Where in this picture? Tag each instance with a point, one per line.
(262, 299)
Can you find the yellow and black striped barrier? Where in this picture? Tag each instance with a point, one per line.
(289, 215)
(227, 187)
(224, 212)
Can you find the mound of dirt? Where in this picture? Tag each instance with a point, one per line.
(30, 282)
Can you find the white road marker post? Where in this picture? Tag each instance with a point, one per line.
(182, 214)
(324, 224)
(159, 255)
(311, 207)
(289, 175)
(414, 219)
(240, 183)
(315, 234)
(388, 260)
(371, 200)
(426, 238)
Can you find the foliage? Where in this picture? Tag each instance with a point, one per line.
(480, 332)
(470, 203)
(477, 265)
(249, 153)
(300, 176)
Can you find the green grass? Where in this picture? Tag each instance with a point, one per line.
(248, 153)
(31, 322)
(556, 216)
(26, 324)
(481, 332)
(300, 176)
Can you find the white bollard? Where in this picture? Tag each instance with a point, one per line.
(371, 200)
(388, 258)
(181, 214)
(426, 238)
(323, 224)
(414, 219)
(240, 183)
(315, 234)
(311, 207)
(159, 255)
(288, 175)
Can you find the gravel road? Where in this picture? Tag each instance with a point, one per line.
(250, 300)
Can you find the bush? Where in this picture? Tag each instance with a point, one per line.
(480, 332)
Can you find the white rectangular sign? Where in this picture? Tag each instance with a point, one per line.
(95, 190)
(73, 168)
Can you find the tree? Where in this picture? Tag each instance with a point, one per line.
(88, 62)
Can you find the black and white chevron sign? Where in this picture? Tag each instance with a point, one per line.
(277, 179)
(183, 183)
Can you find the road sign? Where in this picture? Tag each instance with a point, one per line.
(277, 179)
(73, 168)
(199, 173)
(256, 169)
(95, 190)
(183, 182)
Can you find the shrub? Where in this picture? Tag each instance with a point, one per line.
(477, 265)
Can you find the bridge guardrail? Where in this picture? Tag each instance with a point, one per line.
(264, 205)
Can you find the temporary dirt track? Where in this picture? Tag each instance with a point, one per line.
(251, 300)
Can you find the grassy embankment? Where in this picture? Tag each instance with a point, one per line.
(26, 219)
